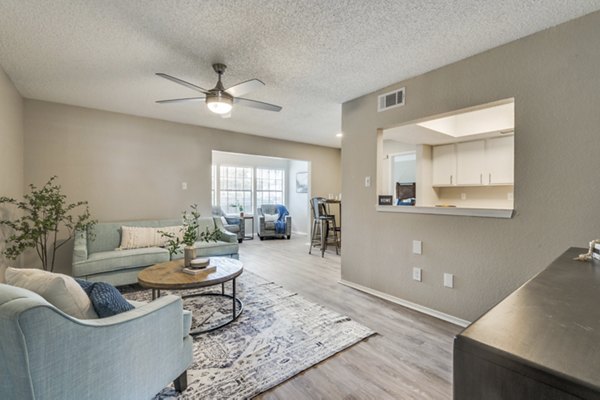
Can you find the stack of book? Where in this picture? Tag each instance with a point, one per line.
(199, 266)
(596, 251)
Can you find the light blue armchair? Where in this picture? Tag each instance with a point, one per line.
(46, 354)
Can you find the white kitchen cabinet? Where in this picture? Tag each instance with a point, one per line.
(499, 156)
(444, 165)
(471, 163)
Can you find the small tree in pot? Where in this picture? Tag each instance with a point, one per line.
(44, 213)
(189, 234)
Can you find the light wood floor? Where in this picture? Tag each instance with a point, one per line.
(411, 357)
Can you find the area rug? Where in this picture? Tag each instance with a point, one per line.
(278, 335)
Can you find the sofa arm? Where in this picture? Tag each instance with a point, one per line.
(80, 252)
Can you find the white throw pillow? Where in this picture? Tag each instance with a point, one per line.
(224, 221)
(271, 217)
(62, 291)
(136, 237)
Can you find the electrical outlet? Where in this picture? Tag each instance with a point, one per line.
(367, 181)
(417, 247)
(183, 185)
(463, 196)
(448, 280)
(510, 196)
(417, 274)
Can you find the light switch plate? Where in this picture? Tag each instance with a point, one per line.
(448, 280)
(367, 181)
(183, 185)
(417, 274)
(417, 247)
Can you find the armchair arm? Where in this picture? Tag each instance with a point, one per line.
(131, 355)
(80, 252)
(224, 235)
(288, 225)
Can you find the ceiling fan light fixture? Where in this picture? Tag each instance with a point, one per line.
(219, 104)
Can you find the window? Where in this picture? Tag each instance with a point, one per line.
(269, 186)
(235, 188)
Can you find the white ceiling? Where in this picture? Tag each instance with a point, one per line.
(479, 122)
(313, 55)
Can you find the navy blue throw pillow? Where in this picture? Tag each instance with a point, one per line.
(106, 299)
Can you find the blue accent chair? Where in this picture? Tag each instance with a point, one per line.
(46, 354)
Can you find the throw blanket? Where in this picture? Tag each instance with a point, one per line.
(280, 223)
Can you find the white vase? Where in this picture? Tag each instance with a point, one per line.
(189, 253)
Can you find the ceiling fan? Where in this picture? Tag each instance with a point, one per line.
(220, 100)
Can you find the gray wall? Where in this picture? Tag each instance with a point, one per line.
(11, 154)
(131, 167)
(553, 76)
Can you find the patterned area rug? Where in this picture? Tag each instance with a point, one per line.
(278, 335)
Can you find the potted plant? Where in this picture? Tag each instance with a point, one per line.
(239, 207)
(189, 234)
(44, 214)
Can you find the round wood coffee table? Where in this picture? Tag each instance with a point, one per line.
(169, 276)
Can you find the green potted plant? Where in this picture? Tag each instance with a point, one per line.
(239, 207)
(44, 214)
(189, 234)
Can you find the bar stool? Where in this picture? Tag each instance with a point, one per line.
(323, 224)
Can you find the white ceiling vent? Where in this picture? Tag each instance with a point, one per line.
(390, 100)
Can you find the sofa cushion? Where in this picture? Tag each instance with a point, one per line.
(204, 249)
(59, 290)
(114, 260)
(232, 228)
(107, 300)
(270, 225)
(187, 316)
(218, 248)
(136, 237)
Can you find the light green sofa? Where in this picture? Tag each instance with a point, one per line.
(98, 259)
(47, 354)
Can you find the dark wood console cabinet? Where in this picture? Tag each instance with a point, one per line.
(541, 342)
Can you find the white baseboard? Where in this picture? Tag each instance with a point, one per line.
(413, 306)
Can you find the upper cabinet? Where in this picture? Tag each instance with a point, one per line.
(500, 160)
(470, 163)
(444, 165)
(474, 163)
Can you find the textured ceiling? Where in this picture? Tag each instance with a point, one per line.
(313, 55)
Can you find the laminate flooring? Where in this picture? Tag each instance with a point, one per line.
(409, 358)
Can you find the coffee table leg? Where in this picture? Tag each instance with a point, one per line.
(234, 300)
(153, 294)
(223, 288)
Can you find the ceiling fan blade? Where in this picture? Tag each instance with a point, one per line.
(181, 100)
(256, 104)
(182, 82)
(245, 87)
